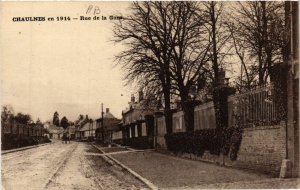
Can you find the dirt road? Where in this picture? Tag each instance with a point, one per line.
(63, 166)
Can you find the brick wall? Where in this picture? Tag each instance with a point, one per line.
(263, 148)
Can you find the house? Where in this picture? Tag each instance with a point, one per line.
(106, 127)
(88, 130)
(55, 132)
(71, 131)
(78, 125)
(138, 124)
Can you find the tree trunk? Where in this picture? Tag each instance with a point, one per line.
(220, 96)
(188, 110)
(167, 97)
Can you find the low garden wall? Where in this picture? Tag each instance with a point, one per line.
(259, 148)
(263, 149)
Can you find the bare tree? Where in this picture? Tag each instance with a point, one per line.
(147, 57)
(219, 37)
(259, 35)
(168, 48)
(190, 54)
(248, 72)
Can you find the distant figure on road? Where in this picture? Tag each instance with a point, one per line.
(65, 138)
(68, 137)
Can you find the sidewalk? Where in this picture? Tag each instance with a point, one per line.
(23, 148)
(273, 183)
(170, 172)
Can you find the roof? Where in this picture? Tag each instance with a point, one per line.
(112, 126)
(108, 115)
(70, 129)
(80, 124)
(54, 129)
(88, 126)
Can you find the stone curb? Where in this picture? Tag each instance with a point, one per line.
(145, 181)
(24, 148)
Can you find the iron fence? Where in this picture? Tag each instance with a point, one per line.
(253, 108)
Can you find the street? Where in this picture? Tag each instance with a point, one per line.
(82, 166)
(63, 166)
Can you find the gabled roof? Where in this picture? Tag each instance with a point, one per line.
(108, 115)
(55, 129)
(70, 129)
(88, 126)
(81, 123)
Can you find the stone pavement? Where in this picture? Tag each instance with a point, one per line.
(273, 183)
(168, 172)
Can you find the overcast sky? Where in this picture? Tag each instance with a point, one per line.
(64, 66)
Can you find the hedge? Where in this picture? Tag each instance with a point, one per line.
(10, 141)
(139, 142)
(196, 142)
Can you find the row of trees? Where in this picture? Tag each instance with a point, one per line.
(8, 116)
(171, 48)
(64, 122)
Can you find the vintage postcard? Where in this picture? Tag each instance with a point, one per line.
(149, 95)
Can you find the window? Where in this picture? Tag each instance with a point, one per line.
(179, 122)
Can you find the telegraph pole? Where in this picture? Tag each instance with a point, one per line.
(292, 63)
(102, 114)
(102, 122)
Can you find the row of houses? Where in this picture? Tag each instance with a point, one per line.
(87, 129)
(263, 145)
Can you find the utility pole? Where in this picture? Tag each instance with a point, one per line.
(291, 20)
(90, 128)
(102, 122)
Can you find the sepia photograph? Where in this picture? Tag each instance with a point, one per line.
(109, 95)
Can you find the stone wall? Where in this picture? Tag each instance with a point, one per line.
(263, 149)
(204, 116)
(178, 122)
(161, 131)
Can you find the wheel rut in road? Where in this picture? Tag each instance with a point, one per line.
(84, 169)
(61, 166)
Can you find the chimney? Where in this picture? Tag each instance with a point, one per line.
(141, 95)
(132, 98)
(107, 110)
